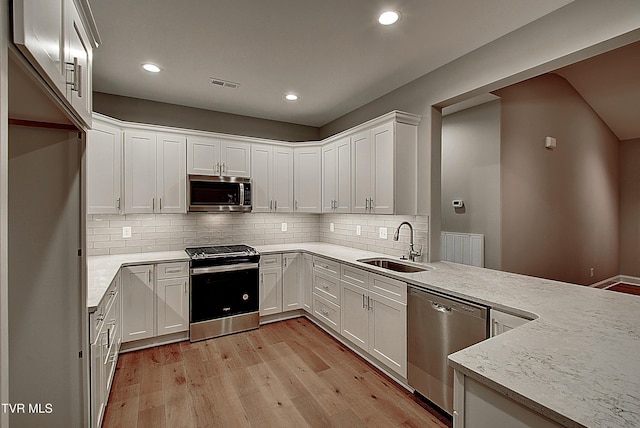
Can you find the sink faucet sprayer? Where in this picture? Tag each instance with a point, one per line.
(412, 252)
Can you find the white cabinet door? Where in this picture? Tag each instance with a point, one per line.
(343, 176)
(329, 174)
(203, 156)
(138, 299)
(282, 185)
(355, 316)
(361, 171)
(270, 290)
(139, 171)
(104, 169)
(78, 54)
(383, 173)
(172, 303)
(291, 287)
(308, 180)
(306, 278)
(388, 332)
(98, 379)
(261, 177)
(171, 185)
(39, 34)
(502, 322)
(235, 159)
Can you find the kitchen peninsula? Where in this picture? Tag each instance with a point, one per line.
(560, 365)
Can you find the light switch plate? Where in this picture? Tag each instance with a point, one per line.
(126, 231)
(284, 227)
(358, 230)
(382, 232)
(331, 227)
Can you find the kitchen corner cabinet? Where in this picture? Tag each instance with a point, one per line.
(307, 180)
(336, 176)
(291, 289)
(306, 280)
(212, 156)
(104, 169)
(155, 300)
(384, 169)
(56, 41)
(154, 172)
(502, 322)
(271, 178)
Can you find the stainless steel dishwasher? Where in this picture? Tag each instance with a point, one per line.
(437, 326)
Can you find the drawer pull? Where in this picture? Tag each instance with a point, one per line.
(173, 270)
(325, 286)
(324, 312)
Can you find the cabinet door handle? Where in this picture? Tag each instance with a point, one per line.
(285, 262)
(77, 77)
(185, 287)
(295, 205)
(366, 204)
(275, 205)
(369, 305)
(363, 306)
(271, 205)
(149, 276)
(153, 204)
(118, 203)
(160, 204)
(224, 168)
(371, 203)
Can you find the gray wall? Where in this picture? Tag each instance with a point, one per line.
(630, 207)
(156, 113)
(471, 171)
(560, 207)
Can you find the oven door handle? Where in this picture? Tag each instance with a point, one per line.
(223, 268)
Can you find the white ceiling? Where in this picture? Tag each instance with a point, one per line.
(332, 53)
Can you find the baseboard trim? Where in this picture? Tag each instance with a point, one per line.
(615, 280)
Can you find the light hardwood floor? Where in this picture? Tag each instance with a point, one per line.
(285, 374)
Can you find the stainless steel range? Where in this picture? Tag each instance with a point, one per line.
(224, 294)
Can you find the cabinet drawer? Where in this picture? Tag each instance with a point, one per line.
(326, 266)
(327, 287)
(391, 288)
(354, 275)
(172, 270)
(327, 312)
(270, 260)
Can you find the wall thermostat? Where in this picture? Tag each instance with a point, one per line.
(457, 203)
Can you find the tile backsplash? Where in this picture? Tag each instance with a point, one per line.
(164, 232)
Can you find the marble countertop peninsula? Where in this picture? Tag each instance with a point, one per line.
(575, 363)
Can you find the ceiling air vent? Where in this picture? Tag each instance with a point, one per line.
(224, 83)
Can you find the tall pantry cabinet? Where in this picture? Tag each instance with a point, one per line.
(45, 341)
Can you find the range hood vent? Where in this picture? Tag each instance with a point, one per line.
(224, 83)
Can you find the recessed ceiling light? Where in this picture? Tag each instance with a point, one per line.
(291, 97)
(152, 68)
(389, 17)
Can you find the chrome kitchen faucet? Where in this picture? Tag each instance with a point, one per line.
(412, 252)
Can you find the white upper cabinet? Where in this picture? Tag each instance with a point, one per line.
(54, 37)
(336, 176)
(155, 172)
(139, 171)
(384, 168)
(212, 156)
(203, 156)
(104, 169)
(307, 183)
(235, 159)
(271, 178)
(171, 184)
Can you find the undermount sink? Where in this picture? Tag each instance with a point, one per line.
(394, 265)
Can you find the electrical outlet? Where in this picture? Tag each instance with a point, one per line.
(382, 232)
(332, 227)
(126, 231)
(284, 227)
(358, 230)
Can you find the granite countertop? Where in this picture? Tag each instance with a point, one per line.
(574, 363)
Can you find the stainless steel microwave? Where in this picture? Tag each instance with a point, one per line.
(207, 193)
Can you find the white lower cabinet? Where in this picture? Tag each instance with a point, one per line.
(502, 322)
(375, 323)
(106, 337)
(280, 283)
(306, 281)
(154, 307)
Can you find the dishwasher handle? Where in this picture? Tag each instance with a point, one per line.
(441, 308)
